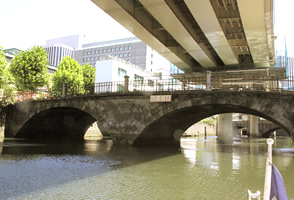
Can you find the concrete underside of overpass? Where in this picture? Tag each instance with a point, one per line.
(197, 35)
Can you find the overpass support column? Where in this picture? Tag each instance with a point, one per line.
(253, 126)
(225, 128)
(208, 80)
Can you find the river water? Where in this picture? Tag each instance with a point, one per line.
(201, 169)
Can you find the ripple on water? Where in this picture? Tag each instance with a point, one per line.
(204, 171)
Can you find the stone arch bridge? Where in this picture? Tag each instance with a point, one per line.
(131, 119)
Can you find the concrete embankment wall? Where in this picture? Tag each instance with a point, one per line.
(199, 129)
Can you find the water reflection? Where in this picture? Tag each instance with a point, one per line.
(1, 143)
(97, 145)
(236, 159)
(189, 149)
(99, 170)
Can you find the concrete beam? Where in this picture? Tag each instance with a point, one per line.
(165, 16)
(207, 20)
(138, 21)
(254, 24)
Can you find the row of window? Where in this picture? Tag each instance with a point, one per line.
(107, 50)
(102, 57)
(160, 87)
(139, 79)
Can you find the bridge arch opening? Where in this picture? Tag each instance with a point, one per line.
(170, 128)
(57, 123)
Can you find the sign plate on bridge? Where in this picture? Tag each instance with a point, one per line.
(160, 98)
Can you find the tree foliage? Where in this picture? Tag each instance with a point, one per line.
(209, 120)
(5, 86)
(3, 69)
(70, 73)
(29, 69)
(89, 74)
(89, 77)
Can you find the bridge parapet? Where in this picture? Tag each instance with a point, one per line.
(202, 82)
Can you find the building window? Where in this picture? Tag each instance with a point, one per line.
(98, 57)
(122, 72)
(120, 48)
(125, 55)
(111, 49)
(92, 52)
(103, 50)
(88, 59)
(125, 48)
(107, 50)
(116, 49)
(129, 54)
(129, 47)
(84, 60)
(99, 51)
(150, 83)
(120, 88)
(120, 55)
(95, 58)
(95, 51)
(91, 58)
(138, 78)
(160, 87)
(88, 52)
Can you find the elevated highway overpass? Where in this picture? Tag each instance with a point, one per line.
(200, 35)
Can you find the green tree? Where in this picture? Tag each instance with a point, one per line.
(29, 69)
(70, 73)
(7, 89)
(3, 69)
(89, 77)
(6, 83)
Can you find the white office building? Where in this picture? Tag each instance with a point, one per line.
(114, 70)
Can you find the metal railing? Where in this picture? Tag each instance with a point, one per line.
(254, 83)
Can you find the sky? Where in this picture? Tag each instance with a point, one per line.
(25, 23)
(284, 29)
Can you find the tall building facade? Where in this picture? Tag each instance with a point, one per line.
(288, 64)
(61, 47)
(57, 52)
(132, 50)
